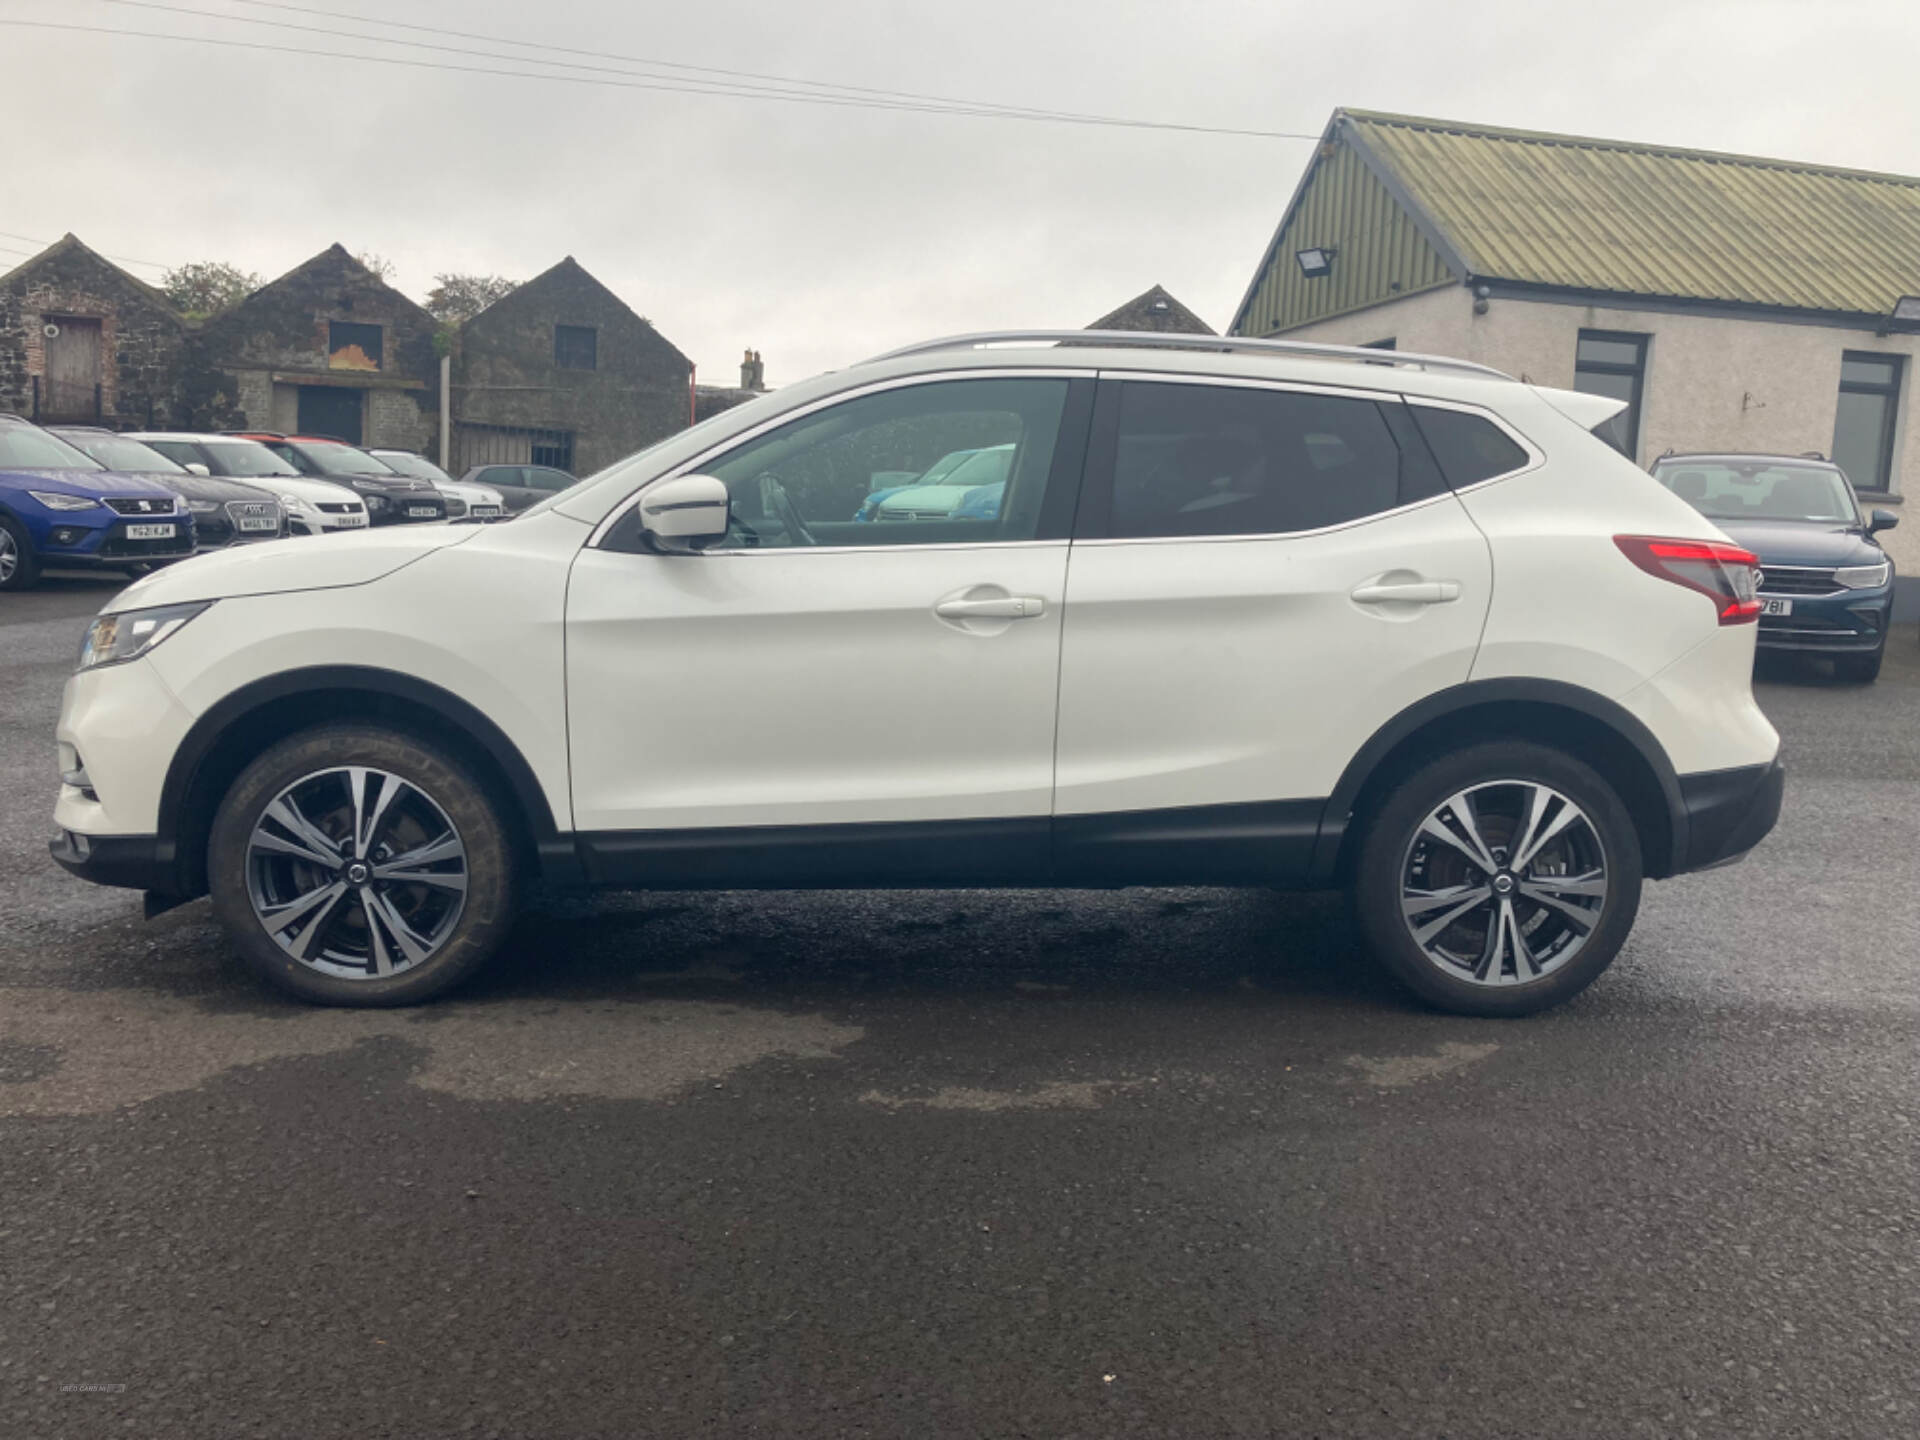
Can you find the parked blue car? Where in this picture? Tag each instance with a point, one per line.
(1826, 586)
(52, 514)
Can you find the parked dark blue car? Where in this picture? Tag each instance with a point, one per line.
(52, 514)
(1826, 586)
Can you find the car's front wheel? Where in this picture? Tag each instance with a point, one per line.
(19, 567)
(1499, 880)
(360, 865)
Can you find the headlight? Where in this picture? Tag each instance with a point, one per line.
(1864, 577)
(132, 633)
(55, 500)
(294, 505)
(202, 507)
(375, 502)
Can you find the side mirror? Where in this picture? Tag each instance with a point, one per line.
(683, 513)
(194, 467)
(1881, 520)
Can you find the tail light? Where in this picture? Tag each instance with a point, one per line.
(1725, 574)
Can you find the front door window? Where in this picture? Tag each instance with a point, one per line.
(952, 461)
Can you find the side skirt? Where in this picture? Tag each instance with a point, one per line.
(1262, 844)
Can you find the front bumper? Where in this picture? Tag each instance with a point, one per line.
(133, 862)
(1853, 622)
(1729, 812)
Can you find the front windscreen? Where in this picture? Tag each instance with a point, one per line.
(1760, 490)
(247, 457)
(27, 447)
(418, 466)
(345, 460)
(116, 452)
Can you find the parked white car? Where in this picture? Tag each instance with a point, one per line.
(480, 502)
(1332, 617)
(314, 507)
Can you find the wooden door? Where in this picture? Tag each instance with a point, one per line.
(73, 370)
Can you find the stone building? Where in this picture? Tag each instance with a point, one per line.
(82, 340)
(329, 348)
(1734, 303)
(1155, 310)
(562, 372)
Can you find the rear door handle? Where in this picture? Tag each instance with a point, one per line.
(1412, 592)
(1004, 607)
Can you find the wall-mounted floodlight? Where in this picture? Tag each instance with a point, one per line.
(1317, 262)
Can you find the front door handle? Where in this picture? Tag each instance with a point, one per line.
(1412, 592)
(1002, 607)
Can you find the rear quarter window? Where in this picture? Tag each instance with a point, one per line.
(1470, 448)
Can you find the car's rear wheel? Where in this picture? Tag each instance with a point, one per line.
(19, 566)
(1499, 880)
(358, 865)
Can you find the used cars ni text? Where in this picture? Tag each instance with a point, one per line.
(1826, 586)
(1392, 623)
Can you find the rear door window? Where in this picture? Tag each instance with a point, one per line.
(1211, 460)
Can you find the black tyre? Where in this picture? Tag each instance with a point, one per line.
(1499, 880)
(1860, 669)
(19, 566)
(360, 865)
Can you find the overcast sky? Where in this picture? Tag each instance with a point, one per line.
(819, 234)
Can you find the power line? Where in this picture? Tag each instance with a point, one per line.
(636, 60)
(669, 86)
(123, 259)
(828, 86)
(728, 87)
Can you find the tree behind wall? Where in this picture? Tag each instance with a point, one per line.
(456, 299)
(207, 287)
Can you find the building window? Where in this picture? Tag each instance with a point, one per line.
(1863, 424)
(352, 346)
(576, 347)
(1609, 363)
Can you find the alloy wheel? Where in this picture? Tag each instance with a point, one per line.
(356, 873)
(1503, 883)
(9, 555)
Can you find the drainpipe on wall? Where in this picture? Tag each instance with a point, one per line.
(446, 409)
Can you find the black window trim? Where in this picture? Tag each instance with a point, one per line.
(1881, 487)
(1643, 342)
(1091, 521)
(1070, 467)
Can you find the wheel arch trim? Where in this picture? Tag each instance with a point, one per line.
(190, 757)
(1336, 819)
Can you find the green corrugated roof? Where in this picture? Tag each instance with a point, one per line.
(1654, 220)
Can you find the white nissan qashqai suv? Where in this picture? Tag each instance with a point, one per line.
(1245, 613)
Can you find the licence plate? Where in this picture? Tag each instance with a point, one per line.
(1776, 607)
(350, 522)
(247, 523)
(150, 532)
(422, 512)
(485, 510)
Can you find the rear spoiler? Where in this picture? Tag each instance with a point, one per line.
(1589, 412)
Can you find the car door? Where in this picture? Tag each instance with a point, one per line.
(1262, 577)
(820, 699)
